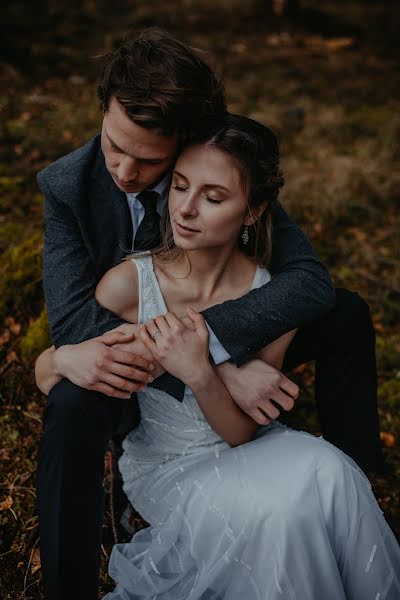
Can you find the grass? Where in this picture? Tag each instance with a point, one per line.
(327, 84)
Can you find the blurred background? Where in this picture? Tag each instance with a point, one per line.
(323, 74)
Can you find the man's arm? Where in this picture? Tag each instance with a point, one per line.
(256, 384)
(77, 321)
(299, 292)
(69, 278)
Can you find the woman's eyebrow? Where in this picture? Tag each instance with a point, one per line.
(179, 174)
(216, 186)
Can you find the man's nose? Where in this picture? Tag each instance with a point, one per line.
(127, 169)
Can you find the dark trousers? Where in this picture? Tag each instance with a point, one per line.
(78, 425)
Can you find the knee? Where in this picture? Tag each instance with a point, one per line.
(73, 413)
(352, 309)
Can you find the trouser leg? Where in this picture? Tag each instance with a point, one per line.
(77, 427)
(343, 346)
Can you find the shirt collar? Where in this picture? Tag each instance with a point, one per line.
(161, 188)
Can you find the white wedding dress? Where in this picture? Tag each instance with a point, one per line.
(286, 516)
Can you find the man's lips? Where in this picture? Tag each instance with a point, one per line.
(129, 185)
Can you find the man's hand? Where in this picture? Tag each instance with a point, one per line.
(254, 385)
(136, 345)
(99, 365)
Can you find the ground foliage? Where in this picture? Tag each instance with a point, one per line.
(324, 79)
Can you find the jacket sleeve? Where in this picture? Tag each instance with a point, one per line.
(299, 292)
(69, 277)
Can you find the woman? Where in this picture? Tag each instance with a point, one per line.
(235, 510)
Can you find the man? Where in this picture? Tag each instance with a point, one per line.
(105, 199)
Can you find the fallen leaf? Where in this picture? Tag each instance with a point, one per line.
(7, 503)
(11, 357)
(5, 337)
(14, 327)
(387, 439)
(35, 561)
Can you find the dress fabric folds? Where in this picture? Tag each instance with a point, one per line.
(284, 516)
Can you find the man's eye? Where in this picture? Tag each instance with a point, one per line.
(179, 188)
(114, 147)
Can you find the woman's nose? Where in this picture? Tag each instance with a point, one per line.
(188, 207)
(127, 169)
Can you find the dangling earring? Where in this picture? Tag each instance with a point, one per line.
(245, 235)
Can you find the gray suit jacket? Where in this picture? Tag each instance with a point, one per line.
(89, 230)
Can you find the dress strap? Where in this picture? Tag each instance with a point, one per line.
(261, 277)
(151, 301)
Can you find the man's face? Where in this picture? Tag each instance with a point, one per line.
(135, 157)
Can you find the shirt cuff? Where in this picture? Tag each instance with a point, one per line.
(217, 351)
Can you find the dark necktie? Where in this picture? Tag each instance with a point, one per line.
(148, 233)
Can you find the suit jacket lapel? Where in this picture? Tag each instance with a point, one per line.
(112, 226)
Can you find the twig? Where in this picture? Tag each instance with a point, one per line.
(31, 416)
(377, 281)
(28, 567)
(112, 511)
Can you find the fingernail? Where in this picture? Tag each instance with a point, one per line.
(150, 379)
(151, 367)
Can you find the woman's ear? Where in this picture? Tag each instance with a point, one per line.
(254, 214)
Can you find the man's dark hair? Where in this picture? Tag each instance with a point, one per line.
(163, 84)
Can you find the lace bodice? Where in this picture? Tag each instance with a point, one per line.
(168, 427)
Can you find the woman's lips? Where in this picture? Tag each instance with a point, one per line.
(185, 230)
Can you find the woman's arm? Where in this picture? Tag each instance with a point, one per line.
(46, 374)
(274, 354)
(184, 353)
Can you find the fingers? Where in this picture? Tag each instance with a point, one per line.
(269, 409)
(129, 358)
(289, 387)
(124, 386)
(188, 323)
(173, 321)
(282, 399)
(197, 319)
(116, 337)
(148, 340)
(259, 417)
(161, 323)
(131, 373)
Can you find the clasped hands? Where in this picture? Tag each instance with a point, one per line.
(123, 360)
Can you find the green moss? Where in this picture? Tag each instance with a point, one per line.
(37, 337)
(389, 393)
(9, 233)
(388, 352)
(20, 276)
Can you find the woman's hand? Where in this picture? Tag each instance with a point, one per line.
(182, 350)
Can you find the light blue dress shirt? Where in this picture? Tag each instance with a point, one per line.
(136, 210)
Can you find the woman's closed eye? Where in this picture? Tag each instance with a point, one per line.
(212, 200)
(180, 188)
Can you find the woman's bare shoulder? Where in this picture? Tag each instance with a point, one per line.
(118, 290)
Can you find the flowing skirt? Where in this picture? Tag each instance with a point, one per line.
(285, 516)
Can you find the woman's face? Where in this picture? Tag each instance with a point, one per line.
(207, 203)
